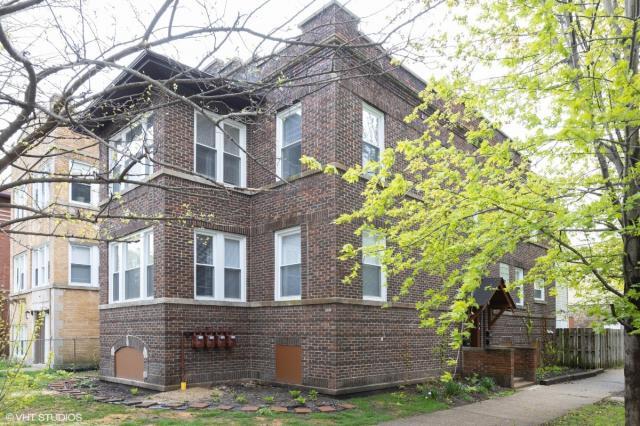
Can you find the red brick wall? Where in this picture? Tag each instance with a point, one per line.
(345, 345)
(493, 362)
(525, 362)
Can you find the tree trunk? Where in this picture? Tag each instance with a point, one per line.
(632, 380)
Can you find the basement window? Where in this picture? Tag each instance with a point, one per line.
(220, 265)
(219, 152)
(288, 264)
(373, 276)
(131, 271)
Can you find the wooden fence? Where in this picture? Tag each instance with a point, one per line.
(583, 347)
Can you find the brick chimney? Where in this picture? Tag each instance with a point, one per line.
(332, 19)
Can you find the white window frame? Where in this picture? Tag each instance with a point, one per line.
(219, 266)
(94, 259)
(383, 275)
(366, 108)
(278, 249)
(41, 190)
(122, 254)
(280, 117)
(20, 266)
(219, 147)
(538, 285)
(20, 340)
(93, 187)
(519, 275)
(19, 198)
(35, 253)
(120, 136)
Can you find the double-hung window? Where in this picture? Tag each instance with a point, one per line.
(372, 134)
(80, 192)
(519, 276)
(289, 141)
(288, 264)
(40, 266)
(41, 189)
(220, 150)
(83, 264)
(19, 276)
(131, 267)
(538, 290)
(20, 340)
(20, 199)
(133, 144)
(219, 266)
(373, 277)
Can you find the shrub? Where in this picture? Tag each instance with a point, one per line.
(264, 411)
(268, 400)
(487, 383)
(294, 393)
(301, 400)
(241, 399)
(453, 388)
(134, 391)
(313, 395)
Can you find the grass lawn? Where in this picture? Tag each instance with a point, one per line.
(371, 410)
(600, 414)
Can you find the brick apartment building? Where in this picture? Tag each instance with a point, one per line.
(262, 265)
(54, 280)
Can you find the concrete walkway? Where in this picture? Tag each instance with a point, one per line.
(533, 405)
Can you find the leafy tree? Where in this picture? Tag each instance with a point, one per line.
(567, 74)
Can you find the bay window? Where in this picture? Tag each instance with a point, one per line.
(131, 271)
(220, 150)
(83, 264)
(372, 134)
(289, 141)
(219, 267)
(288, 264)
(132, 144)
(373, 277)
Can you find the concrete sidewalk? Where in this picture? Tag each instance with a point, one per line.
(533, 405)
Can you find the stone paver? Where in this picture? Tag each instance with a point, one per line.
(224, 407)
(199, 405)
(533, 405)
(347, 406)
(302, 410)
(249, 408)
(147, 404)
(278, 409)
(326, 409)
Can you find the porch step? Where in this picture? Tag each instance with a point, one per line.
(520, 382)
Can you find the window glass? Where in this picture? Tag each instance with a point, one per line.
(372, 134)
(232, 272)
(149, 263)
(80, 192)
(538, 289)
(290, 265)
(204, 266)
(518, 291)
(291, 146)
(132, 270)
(372, 285)
(132, 144)
(80, 264)
(115, 272)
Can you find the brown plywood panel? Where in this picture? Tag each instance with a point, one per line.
(289, 364)
(129, 364)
